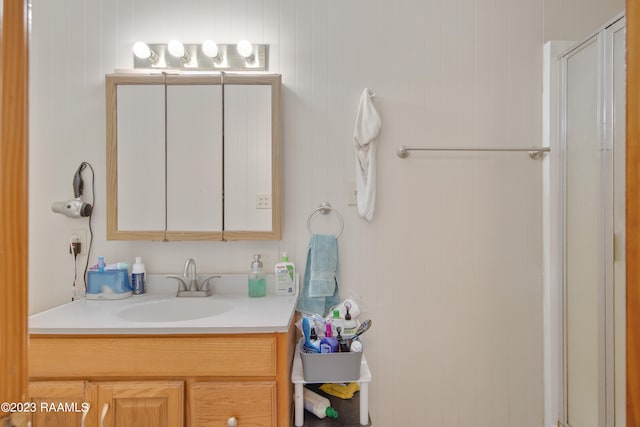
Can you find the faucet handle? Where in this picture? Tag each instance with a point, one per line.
(182, 286)
(205, 284)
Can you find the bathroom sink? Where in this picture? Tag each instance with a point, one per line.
(173, 310)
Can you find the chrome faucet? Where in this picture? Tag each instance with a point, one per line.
(194, 290)
(190, 270)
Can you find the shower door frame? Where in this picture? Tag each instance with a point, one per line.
(605, 286)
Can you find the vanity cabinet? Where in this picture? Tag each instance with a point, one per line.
(193, 157)
(165, 380)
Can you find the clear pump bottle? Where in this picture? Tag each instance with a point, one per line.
(257, 280)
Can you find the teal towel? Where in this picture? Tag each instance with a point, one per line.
(320, 290)
(324, 264)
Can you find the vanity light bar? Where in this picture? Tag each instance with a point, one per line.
(230, 57)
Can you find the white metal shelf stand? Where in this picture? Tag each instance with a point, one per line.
(297, 378)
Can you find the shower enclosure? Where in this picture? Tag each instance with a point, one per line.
(587, 284)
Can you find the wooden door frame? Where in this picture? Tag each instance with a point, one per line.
(633, 213)
(14, 72)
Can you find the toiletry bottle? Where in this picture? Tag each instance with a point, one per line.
(285, 276)
(101, 264)
(329, 344)
(336, 322)
(318, 405)
(343, 344)
(349, 326)
(313, 336)
(257, 281)
(138, 277)
(355, 347)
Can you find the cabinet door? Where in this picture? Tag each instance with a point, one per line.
(214, 403)
(58, 403)
(248, 158)
(140, 403)
(194, 158)
(141, 157)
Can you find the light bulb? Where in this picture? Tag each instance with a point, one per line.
(210, 49)
(176, 48)
(141, 50)
(244, 48)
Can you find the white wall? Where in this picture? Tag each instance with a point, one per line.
(450, 268)
(577, 19)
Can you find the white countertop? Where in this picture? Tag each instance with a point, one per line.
(233, 312)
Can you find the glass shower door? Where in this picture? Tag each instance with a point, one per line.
(583, 276)
(594, 229)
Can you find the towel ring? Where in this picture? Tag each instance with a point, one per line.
(324, 209)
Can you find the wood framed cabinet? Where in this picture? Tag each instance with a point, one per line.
(164, 380)
(140, 403)
(111, 403)
(47, 395)
(217, 136)
(218, 403)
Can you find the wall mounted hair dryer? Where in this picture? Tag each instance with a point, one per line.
(74, 208)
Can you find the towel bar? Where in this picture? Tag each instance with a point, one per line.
(535, 153)
(324, 209)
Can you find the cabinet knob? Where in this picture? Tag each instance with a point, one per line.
(232, 422)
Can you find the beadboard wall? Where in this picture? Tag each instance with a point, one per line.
(450, 268)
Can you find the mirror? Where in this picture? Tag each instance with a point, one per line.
(193, 157)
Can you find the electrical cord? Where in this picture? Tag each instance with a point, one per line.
(93, 200)
(79, 186)
(74, 253)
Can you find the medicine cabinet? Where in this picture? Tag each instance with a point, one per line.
(193, 157)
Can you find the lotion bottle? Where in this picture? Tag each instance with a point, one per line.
(336, 322)
(285, 276)
(318, 405)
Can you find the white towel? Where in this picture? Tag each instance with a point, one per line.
(367, 129)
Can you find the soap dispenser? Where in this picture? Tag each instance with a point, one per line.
(257, 280)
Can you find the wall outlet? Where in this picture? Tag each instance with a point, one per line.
(351, 191)
(79, 235)
(263, 201)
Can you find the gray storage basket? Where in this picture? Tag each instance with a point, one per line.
(330, 367)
